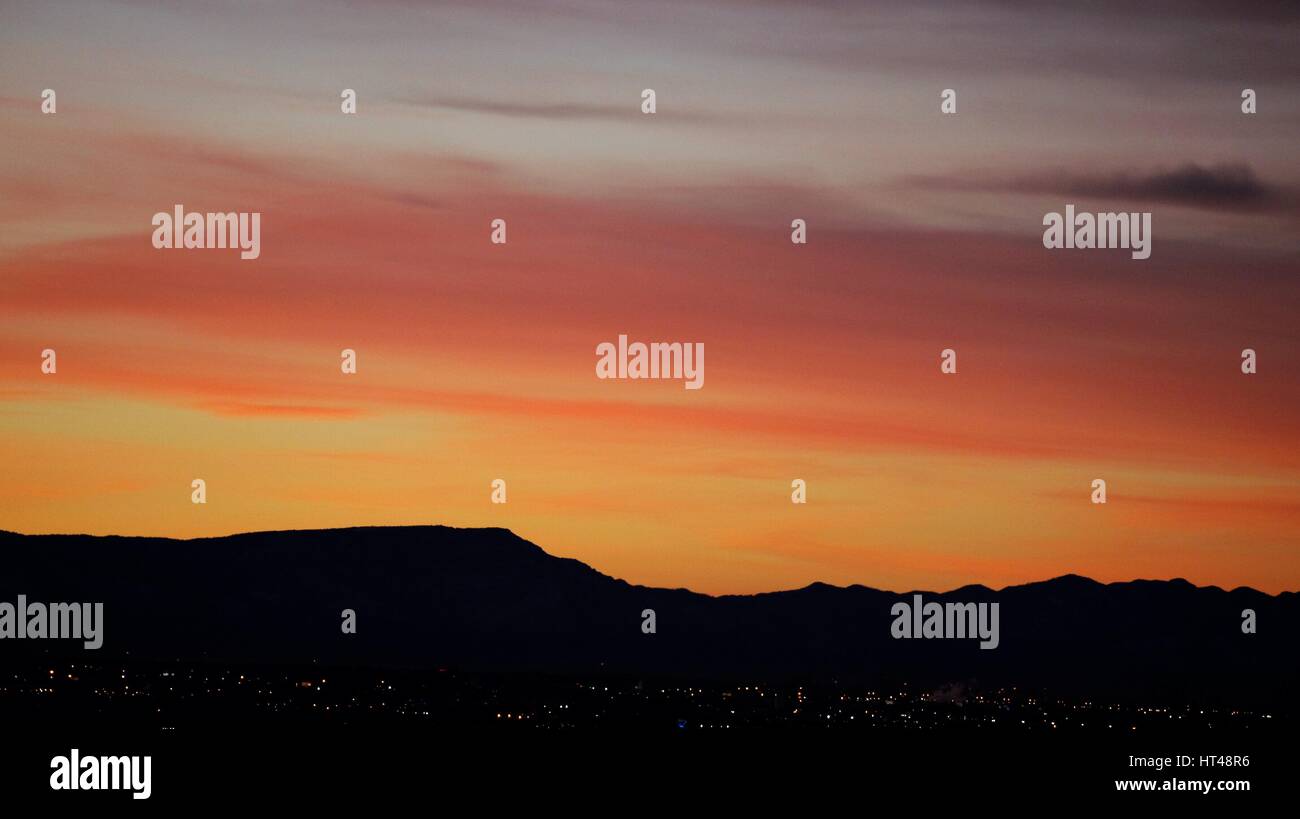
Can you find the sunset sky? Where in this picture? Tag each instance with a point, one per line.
(477, 361)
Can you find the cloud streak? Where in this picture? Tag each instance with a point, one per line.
(629, 112)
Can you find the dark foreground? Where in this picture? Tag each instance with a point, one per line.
(274, 735)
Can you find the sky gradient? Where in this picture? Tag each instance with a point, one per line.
(476, 361)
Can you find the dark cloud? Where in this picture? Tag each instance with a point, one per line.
(1220, 186)
(1232, 187)
(1184, 42)
(1265, 11)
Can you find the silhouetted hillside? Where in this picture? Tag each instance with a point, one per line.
(485, 599)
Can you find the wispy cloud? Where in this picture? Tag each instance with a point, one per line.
(245, 410)
(565, 110)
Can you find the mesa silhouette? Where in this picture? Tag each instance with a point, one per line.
(430, 597)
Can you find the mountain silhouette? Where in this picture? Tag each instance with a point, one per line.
(487, 600)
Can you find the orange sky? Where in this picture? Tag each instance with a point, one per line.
(477, 361)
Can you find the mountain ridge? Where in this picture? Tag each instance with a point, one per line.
(487, 600)
(816, 584)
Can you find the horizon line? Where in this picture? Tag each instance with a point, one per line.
(813, 584)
